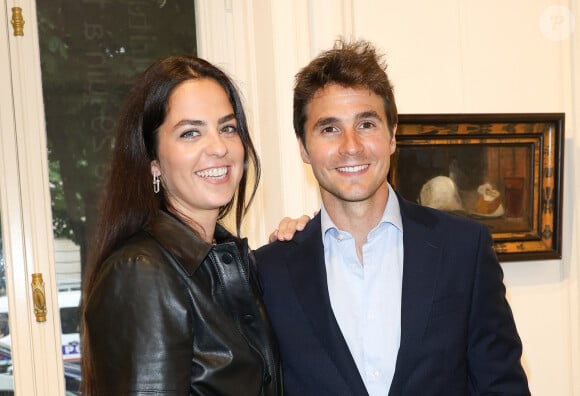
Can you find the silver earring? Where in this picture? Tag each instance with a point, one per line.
(155, 183)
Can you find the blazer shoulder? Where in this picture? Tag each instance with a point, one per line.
(273, 248)
(276, 251)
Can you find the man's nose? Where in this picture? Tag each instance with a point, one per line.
(351, 142)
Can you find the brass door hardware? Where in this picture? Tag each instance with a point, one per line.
(17, 21)
(38, 297)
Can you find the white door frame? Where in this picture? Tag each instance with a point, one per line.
(26, 213)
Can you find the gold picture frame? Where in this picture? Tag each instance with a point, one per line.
(504, 170)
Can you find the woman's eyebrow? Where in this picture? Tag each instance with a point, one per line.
(190, 122)
(227, 118)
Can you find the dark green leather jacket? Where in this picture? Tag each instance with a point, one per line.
(171, 314)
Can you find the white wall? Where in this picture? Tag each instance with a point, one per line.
(449, 56)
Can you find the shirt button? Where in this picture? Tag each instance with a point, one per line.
(248, 318)
(376, 374)
(227, 258)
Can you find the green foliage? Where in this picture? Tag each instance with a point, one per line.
(90, 53)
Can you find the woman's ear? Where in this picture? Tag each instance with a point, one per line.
(155, 169)
(156, 172)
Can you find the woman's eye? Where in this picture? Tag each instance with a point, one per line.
(189, 134)
(229, 129)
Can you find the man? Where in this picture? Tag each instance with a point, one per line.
(379, 295)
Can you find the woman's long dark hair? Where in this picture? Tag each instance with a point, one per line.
(129, 202)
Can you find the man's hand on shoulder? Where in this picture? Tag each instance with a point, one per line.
(288, 227)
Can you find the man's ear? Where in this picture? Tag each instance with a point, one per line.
(304, 152)
(394, 139)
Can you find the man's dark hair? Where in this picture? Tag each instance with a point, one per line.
(356, 65)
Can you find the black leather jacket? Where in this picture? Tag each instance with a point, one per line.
(171, 314)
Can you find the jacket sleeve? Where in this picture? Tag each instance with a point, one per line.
(494, 347)
(139, 328)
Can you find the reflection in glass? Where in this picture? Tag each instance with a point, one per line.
(90, 52)
(6, 375)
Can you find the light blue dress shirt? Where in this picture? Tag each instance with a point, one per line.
(366, 297)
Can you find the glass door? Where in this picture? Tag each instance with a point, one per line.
(6, 369)
(66, 77)
(90, 53)
(29, 358)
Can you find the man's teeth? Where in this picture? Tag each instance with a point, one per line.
(357, 168)
(213, 172)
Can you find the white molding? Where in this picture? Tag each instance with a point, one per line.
(243, 70)
(573, 123)
(225, 38)
(26, 201)
(329, 22)
(214, 32)
(289, 50)
(250, 40)
(11, 209)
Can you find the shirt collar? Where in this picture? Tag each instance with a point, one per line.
(391, 215)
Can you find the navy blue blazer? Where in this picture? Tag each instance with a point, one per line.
(458, 335)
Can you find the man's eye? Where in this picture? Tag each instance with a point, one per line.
(329, 129)
(366, 124)
(189, 134)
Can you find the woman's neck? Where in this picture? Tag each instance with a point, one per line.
(203, 223)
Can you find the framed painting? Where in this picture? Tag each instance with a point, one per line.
(504, 170)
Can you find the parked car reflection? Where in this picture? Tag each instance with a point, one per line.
(69, 294)
(72, 374)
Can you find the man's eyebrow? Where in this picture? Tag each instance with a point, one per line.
(368, 114)
(322, 122)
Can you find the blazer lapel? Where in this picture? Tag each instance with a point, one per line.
(308, 276)
(422, 252)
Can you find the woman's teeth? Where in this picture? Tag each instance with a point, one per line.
(213, 172)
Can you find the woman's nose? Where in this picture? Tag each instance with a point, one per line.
(216, 145)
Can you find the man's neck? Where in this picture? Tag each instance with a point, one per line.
(356, 218)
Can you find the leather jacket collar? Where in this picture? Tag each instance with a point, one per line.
(185, 245)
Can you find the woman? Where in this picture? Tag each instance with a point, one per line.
(171, 303)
